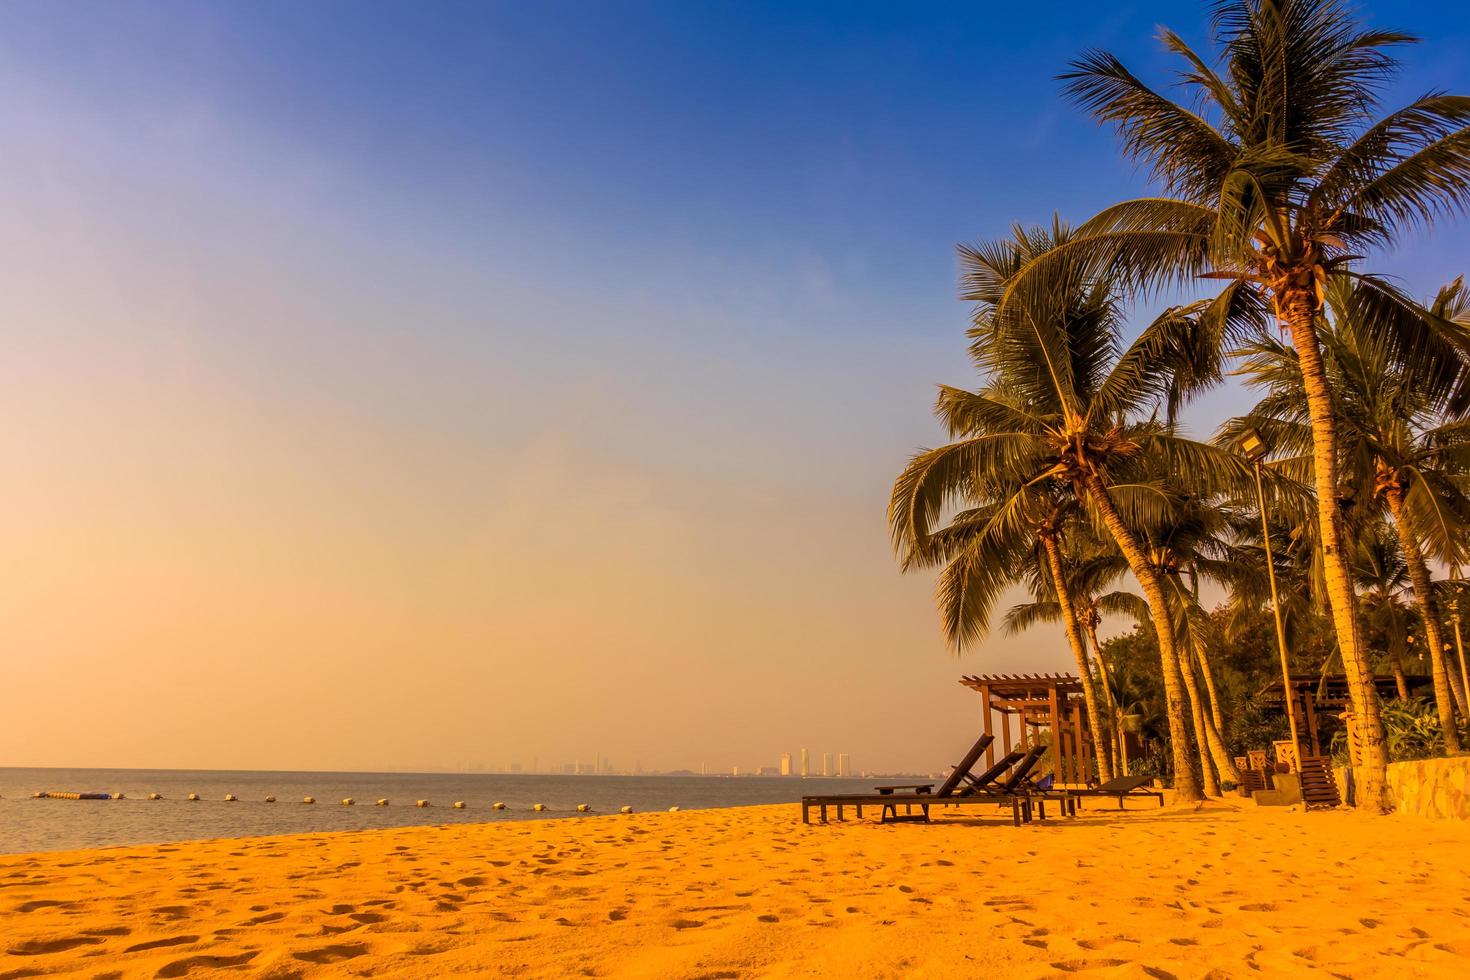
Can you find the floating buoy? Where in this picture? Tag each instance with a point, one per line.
(382, 803)
(308, 799)
(538, 807)
(459, 804)
(231, 798)
(626, 809)
(421, 803)
(155, 796)
(347, 801)
(673, 809)
(270, 799)
(497, 806)
(194, 797)
(584, 807)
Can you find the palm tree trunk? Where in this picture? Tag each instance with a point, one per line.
(1457, 686)
(1116, 713)
(1460, 643)
(1397, 663)
(1186, 787)
(1429, 609)
(1212, 724)
(1299, 307)
(1201, 738)
(1202, 655)
(1079, 650)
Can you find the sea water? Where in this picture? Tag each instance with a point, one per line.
(28, 824)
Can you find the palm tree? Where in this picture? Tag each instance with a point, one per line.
(1277, 178)
(1064, 412)
(1087, 567)
(1381, 571)
(1185, 547)
(985, 549)
(1393, 440)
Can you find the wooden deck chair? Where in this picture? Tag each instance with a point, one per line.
(915, 795)
(1122, 787)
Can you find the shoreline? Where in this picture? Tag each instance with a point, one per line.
(749, 891)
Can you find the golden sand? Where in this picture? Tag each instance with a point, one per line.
(1223, 891)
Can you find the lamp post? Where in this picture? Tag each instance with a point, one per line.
(1459, 642)
(1255, 449)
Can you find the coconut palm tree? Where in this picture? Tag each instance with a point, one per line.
(1186, 547)
(1273, 172)
(1393, 441)
(1383, 576)
(1067, 411)
(1089, 566)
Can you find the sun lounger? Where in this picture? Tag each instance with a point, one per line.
(919, 796)
(1017, 781)
(1123, 787)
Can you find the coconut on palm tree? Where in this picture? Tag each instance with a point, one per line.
(1276, 175)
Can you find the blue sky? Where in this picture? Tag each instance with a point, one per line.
(449, 298)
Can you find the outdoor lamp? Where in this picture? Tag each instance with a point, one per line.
(1253, 445)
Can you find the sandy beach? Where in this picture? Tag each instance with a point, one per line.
(1228, 890)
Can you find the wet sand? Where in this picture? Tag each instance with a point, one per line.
(1224, 891)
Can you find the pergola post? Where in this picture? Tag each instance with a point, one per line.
(1058, 740)
(1053, 700)
(985, 700)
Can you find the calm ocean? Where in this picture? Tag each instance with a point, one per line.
(56, 825)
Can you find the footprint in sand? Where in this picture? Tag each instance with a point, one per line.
(162, 943)
(1080, 966)
(41, 947)
(332, 954)
(42, 903)
(113, 931)
(180, 968)
(261, 920)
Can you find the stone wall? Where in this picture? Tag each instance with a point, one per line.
(1436, 788)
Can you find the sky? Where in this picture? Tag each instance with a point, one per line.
(432, 385)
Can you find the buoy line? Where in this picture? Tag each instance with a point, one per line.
(346, 801)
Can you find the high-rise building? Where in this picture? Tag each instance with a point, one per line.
(806, 764)
(844, 765)
(785, 763)
(826, 763)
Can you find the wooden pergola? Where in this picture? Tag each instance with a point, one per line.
(1311, 695)
(1050, 701)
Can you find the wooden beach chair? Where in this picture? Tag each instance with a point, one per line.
(1122, 787)
(919, 796)
(960, 772)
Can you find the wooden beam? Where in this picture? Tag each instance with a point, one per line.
(985, 700)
